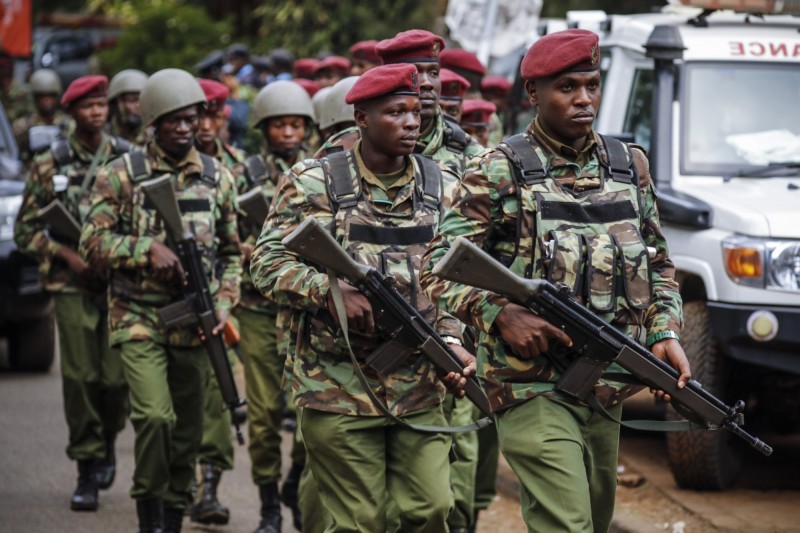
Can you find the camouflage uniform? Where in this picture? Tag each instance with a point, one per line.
(139, 139)
(348, 439)
(23, 124)
(166, 368)
(339, 142)
(506, 218)
(17, 101)
(448, 144)
(93, 382)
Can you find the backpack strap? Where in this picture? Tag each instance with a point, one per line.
(455, 138)
(257, 171)
(340, 180)
(527, 165)
(61, 152)
(620, 162)
(138, 166)
(209, 170)
(431, 181)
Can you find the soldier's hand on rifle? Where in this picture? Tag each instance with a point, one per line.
(165, 263)
(671, 351)
(73, 260)
(527, 334)
(454, 381)
(222, 319)
(357, 307)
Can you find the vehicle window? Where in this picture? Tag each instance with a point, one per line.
(739, 116)
(638, 116)
(70, 49)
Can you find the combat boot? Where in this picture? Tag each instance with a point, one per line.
(270, 509)
(106, 469)
(151, 515)
(85, 496)
(173, 519)
(207, 509)
(289, 492)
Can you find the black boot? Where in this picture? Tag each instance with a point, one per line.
(270, 509)
(289, 494)
(207, 509)
(151, 515)
(85, 496)
(173, 519)
(105, 469)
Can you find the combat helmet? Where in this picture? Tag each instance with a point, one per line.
(166, 91)
(126, 81)
(334, 110)
(45, 81)
(279, 99)
(318, 100)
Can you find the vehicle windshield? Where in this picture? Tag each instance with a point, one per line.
(740, 118)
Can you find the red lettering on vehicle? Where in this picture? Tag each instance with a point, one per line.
(737, 48)
(796, 52)
(756, 49)
(778, 49)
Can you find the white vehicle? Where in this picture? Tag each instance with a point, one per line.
(715, 98)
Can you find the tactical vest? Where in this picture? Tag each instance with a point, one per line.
(589, 241)
(455, 140)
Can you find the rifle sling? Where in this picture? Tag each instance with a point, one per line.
(338, 302)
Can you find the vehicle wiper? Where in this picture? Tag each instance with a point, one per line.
(774, 168)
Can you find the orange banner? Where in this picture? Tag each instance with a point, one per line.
(15, 27)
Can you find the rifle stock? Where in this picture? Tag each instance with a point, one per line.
(255, 205)
(60, 221)
(596, 343)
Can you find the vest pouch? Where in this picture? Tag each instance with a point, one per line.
(635, 266)
(602, 252)
(567, 260)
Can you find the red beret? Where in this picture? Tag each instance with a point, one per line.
(338, 64)
(85, 87)
(457, 58)
(365, 51)
(310, 86)
(497, 86)
(305, 67)
(385, 80)
(477, 112)
(216, 93)
(454, 87)
(573, 50)
(412, 46)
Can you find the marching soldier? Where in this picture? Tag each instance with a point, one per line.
(330, 70)
(454, 87)
(476, 119)
(36, 132)
(125, 117)
(166, 368)
(94, 389)
(364, 57)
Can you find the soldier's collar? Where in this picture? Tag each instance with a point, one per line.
(555, 147)
(165, 162)
(371, 178)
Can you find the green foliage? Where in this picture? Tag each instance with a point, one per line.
(166, 34)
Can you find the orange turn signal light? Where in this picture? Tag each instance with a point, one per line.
(743, 262)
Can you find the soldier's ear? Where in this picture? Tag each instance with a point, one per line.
(360, 117)
(530, 88)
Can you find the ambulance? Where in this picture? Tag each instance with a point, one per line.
(714, 96)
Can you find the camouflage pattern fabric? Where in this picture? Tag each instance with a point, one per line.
(17, 101)
(120, 228)
(496, 132)
(339, 142)
(486, 211)
(433, 143)
(23, 124)
(32, 235)
(323, 375)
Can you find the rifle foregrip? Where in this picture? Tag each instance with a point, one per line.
(311, 241)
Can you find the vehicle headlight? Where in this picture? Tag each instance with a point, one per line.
(763, 263)
(9, 206)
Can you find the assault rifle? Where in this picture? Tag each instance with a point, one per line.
(254, 205)
(596, 344)
(60, 221)
(197, 307)
(407, 330)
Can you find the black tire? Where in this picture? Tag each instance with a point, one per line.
(32, 345)
(703, 460)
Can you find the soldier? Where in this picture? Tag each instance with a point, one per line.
(496, 89)
(165, 368)
(282, 63)
(476, 119)
(364, 57)
(37, 132)
(531, 203)
(283, 114)
(305, 68)
(331, 69)
(125, 115)
(238, 56)
(15, 96)
(440, 138)
(454, 87)
(337, 126)
(360, 458)
(310, 86)
(93, 383)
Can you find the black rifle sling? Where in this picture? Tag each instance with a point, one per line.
(619, 162)
(256, 170)
(431, 182)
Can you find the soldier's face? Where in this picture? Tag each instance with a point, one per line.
(451, 108)
(175, 132)
(46, 104)
(129, 102)
(390, 125)
(567, 105)
(90, 114)
(430, 87)
(326, 77)
(285, 134)
(210, 124)
(479, 133)
(359, 67)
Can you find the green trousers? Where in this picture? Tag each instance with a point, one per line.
(359, 463)
(94, 390)
(486, 471)
(565, 457)
(166, 391)
(463, 468)
(315, 516)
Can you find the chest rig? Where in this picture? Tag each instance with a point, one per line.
(589, 241)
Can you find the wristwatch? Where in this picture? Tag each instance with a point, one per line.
(660, 336)
(449, 339)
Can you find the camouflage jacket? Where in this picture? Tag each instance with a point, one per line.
(339, 142)
(120, 228)
(140, 138)
(448, 144)
(52, 178)
(17, 101)
(323, 374)
(487, 212)
(23, 125)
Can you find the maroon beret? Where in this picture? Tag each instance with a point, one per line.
(384, 80)
(573, 50)
(338, 64)
(216, 94)
(477, 112)
(365, 51)
(85, 87)
(305, 67)
(496, 86)
(457, 58)
(310, 86)
(412, 46)
(454, 87)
